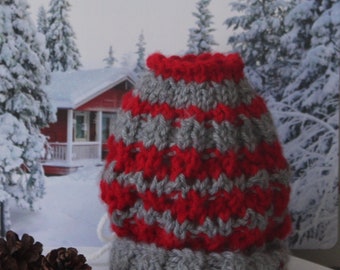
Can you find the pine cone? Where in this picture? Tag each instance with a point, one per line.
(65, 259)
(16, 254)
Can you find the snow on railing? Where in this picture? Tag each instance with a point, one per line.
(85, 150)
(58, 151)
(80, 150)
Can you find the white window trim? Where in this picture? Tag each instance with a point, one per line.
(86, 116)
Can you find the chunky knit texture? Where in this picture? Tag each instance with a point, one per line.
(195, 177)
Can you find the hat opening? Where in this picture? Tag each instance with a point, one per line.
(200, 68)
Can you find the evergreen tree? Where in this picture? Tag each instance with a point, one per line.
(42, 21)
(140, 65)
(291, 53)
(314, 54)
(200, 38)
(110, 60)
(60, 38)
(259, 28)
(310, 116)
(24, 106)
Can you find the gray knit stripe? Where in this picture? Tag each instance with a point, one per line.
(210, 227)
(207, 186)
(128, 255)
(202, 95)
(223, 136)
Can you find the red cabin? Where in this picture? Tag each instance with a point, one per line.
(86, 102)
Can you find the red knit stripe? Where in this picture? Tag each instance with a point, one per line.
(241, 238)
(197, 68)
(174, 161)
(196, 207)
(220, 113)
(118, 197)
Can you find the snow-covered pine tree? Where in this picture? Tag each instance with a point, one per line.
(60, 38)
(257, 32)
(303, 54)
(201, 38)
(312, 44)
(140, 65)
(24, 106)
(110, 60)
(42, 21)
(309, 119)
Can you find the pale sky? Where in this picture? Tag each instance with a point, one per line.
(165, 24)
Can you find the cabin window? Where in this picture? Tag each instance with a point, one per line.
(107, 125)
(81, 126)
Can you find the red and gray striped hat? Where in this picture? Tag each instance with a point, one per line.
(195, 177)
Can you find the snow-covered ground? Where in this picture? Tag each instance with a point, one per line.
(70, 211)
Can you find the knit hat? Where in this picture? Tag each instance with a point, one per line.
(195, 177)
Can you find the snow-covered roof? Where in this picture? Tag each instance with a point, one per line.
(71, 89)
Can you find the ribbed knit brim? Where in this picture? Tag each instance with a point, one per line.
(129, 255)
(195, 174)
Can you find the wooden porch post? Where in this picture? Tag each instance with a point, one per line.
(69, 136)
(99, 127)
